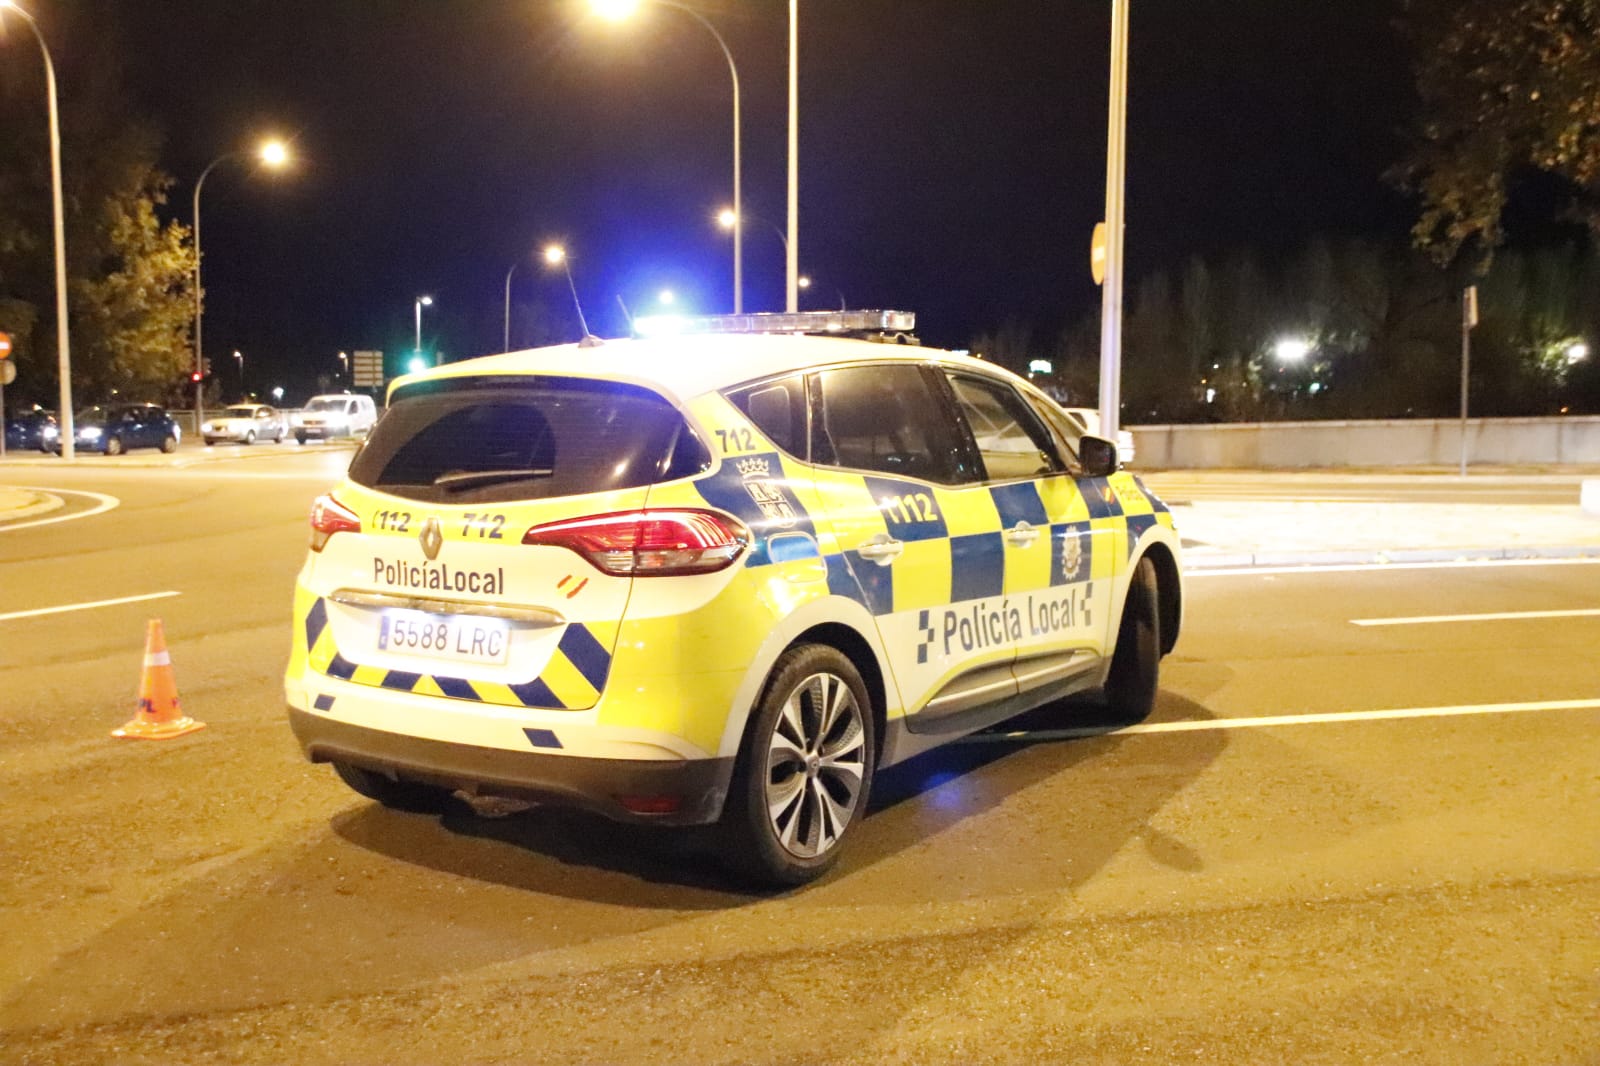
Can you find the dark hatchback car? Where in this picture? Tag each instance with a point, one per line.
(25, 431)
(114, 428)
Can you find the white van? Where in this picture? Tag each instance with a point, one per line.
(337, 415)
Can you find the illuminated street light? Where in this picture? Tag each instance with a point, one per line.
(422, 301)
(238, 357)
(344, 365)
(1577, 351)
(555, 255)
(666, 297)
(273, 154)
(63, 340)
(617, 11)
(1292, 349)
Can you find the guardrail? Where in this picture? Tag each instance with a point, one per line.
(1397, 442)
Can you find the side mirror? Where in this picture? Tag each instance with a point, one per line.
(1097, 456)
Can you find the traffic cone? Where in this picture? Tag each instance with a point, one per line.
(158, 716)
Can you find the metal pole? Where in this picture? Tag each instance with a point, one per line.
(63, 338)
(416, 349)
(505, 345)
(199, 310)
(792, 267)
(1468, 299)
(1116, 172)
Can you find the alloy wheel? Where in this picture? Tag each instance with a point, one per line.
(816, 762)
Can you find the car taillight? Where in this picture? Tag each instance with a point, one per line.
(329, 516)
(649, 543)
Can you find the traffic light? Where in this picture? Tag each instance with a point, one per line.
(206, 365)
(195, 376)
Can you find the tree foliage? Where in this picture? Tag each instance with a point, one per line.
(1382, 323)
(129, 271)
(1505, 86)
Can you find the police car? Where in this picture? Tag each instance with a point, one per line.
(722, 575)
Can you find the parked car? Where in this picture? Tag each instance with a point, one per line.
(717, 578)
(336, 415)
(246, 423)
(25, 431)
(1089, 419)
(114, 428)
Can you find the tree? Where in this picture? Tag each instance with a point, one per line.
(129, 273)
(1505, 86)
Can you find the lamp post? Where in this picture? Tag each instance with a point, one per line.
(617, 10)
(421, 302)
(1116, 176)
(273, 154)
(238, 357)
(344, 364)
(555, 255)
(792, 244)
(505, 345)
(63, 340)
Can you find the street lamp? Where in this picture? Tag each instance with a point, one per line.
(63, 344)
(1576, 352)
(422, 301)
(344, 364)
(505, 345)
(239, 358)
(616, 11)
(1292, 349)
(555, 255)
(273, 154)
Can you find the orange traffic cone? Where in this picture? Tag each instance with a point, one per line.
(158, 716)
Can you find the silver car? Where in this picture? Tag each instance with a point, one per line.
(246, 423)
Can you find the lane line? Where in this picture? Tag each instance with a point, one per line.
(87, 606)
(1497, 616)
(1350, 568)
(106, 503)
(1286, 720)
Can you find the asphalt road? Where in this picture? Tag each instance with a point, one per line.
(1264, 872)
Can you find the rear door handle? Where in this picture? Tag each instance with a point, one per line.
(881, 549)
(1022, 534)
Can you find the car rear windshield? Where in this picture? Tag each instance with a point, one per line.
(481, 440)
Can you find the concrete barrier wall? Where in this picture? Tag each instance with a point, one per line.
(1409, 442)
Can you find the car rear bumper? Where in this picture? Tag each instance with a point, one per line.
(699, 785)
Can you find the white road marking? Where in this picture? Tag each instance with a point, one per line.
(106, 503)
(87, 606)
(1346, 568)
(1498, 616)
(1290, 719)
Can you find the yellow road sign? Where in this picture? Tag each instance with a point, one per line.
(1097, 254)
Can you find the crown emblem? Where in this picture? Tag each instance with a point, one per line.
(754, 467)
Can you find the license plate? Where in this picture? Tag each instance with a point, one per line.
(461, 638)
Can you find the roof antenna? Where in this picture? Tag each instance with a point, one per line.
(627, 314)
(554, 254)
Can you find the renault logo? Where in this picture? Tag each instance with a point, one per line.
(432, 538)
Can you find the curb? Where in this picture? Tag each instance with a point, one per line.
(43, 503)
(1199, 562)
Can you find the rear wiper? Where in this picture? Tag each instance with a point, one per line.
(466, 478)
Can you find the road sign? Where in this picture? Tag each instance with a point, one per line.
(5, 345)
(1097, 254)
(8, 372)
(366, 369)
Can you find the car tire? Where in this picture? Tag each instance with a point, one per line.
(169, 444)
(299, 438)
(804, 770)
(113, 445)
(396, 793)
(210, 443)
(1134, 677)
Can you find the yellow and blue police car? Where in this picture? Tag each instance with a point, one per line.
(719, 575)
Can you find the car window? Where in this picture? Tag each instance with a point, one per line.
(1012, 440)
(778, 409)
(1065, 426)
(473, 440)
(888, 419)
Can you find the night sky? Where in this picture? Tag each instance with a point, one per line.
(952, 154)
